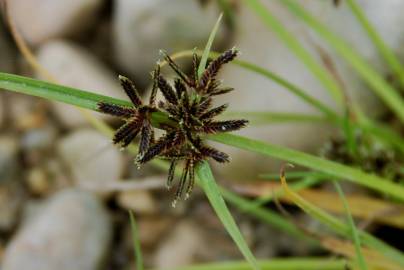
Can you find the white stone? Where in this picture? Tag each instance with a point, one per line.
(261, 46)
(143, 27)
(76, 67)
(180, 247)
(72, 231)
(91, 157)
(8, 157)
(139, 201)
(42, 20)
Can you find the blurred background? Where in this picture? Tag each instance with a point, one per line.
(65, 189)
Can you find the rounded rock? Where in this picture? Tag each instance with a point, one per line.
(74, 66)
(43, 20)
(91, 157)
(143, 27)
(73, 231)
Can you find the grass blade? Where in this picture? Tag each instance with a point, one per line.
(264, 118)
(69, 95)
(352, 227)
(276, 264)
(209, 186)
(380, 87)
(136, 242)
(384, 50)
(208, 46)
(294, 175)
(294, 45)
(316, 163)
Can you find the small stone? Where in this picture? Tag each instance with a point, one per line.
(153, 228)
(139, 201)
(143, 27)
(26, 112)
(73, 231)
(180, 247)
(8, 158)
(38, 181)
(11, 199)
(43, 20)
(39, 138)
(74, 66)
(91, 157)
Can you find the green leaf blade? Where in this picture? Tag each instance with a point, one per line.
(354, 232)
(316, 163)
(209, 186)
(205, 55)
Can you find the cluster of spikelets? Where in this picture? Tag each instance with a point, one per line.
(188, 104)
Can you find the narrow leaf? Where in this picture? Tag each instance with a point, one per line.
(316, 163)
(136, 242)
(292, 263)
(352, 227)
(205, 55)
(209, 186)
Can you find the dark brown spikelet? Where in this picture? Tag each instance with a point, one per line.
(116, 110)
(221, 91)
(224, 126)
(214, 67)
(130, 137)
(156, 149)
(155, 74)
(191, 178)
(204, 105)
(210, 152)
(126, 130)
(146, 137)
(213, 112)
(166, 90)
(183, 179)
(179, 87)
(137, 118)
(171, 172)
(130, 90)
(176, 68)
(195, 65)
